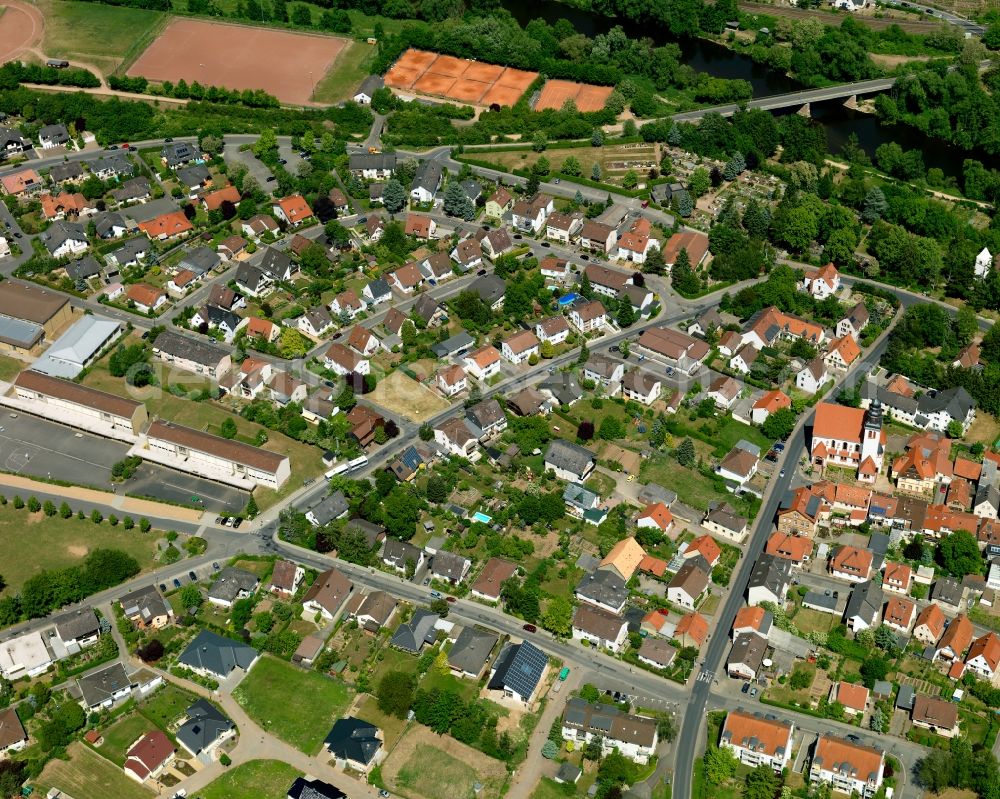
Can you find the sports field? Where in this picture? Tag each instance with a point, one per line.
(458, 79)
(285, 65)
(555, 93)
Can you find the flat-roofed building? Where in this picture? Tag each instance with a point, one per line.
(24, 656)
(216, 458)
(80, 406)
(78, 347)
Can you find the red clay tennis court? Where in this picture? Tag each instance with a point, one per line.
(555, 93)
(458, 79)
(284, 64)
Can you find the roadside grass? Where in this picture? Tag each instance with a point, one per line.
(33, 542)
(86, 775)
(351, 66)
(272, 695)
(549, 789)
(105, 36)
(255, 779)
(119, 737)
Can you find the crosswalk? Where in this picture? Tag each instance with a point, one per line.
(706, 676)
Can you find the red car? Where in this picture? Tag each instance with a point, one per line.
(531, 628)
(451, 599)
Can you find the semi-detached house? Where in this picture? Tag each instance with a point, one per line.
(757, 740)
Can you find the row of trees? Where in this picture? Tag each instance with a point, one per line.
(182, 90)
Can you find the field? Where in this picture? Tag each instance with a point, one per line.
(20, 27)
(555, 93)
(272, 695)
(119, 737)
(286, 65)
(86, 775)
(105, 36)
(167, 705)
(458, 79)
(405, 396)
(457, 768)
(33, 542)
(256, 779)
(614, 160)
(342, 81)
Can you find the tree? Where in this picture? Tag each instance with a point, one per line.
(292, 344)
(626, 313)
(801, 679)
(395, 693)
(400, 511)
(873, 669)
(191, 597)
(437, 490)
(393, 196)
(958, 554)
(550, 749)
(720, 765)
(266, 142)
(228, 428)
(682, 276)
(426, 432)
(65, 511)
(699, 181)
(779, 425)
(630, 179)
(454, 199)
(571, 166)
(685, 453)
(13, 773)
(875, 206)
(34, 505)
(955, 429)
(585, 431)
(597, 138)
(151, 651)
(145, 525)
(595, 171)
(558, 616)
(685, 205)
(761, 783)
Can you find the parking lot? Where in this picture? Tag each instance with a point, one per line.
(39, 448)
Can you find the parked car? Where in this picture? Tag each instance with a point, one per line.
(745, 688)
(193, 576)
(451, 599)
(163, 588)
(481, 272)
(237, 521)
(531, 628)
(177, 583)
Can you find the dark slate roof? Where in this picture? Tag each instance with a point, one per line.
(332, 507)
(425, 307)
(193, 175)
(771, 572)
(221, 316)
(217, 654)
(419, 630)
(865, 602)
(55, 133)
(490, 288)
(398, 552)
(83, 268)
(519, 668)
(67, 171)
(276, 263)
(249, 275)
(106, 224)
(145, 602)
(379, 288)
(314, 789)
(603, 586)
(200, 260)
(132, 248)
(956, 402)
(569, 456)
(564, 387)
(177, 152)
(62, 231)
(471, 650)
(947, 590)
(353, 739)
(100, 686)
(204, 725)
(370, 85)
(428, 175)
(117, 163)
(230, 582)
(77, 624)
(360, 161)
(191, 348)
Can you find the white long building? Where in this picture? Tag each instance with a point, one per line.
(78, 406)
(216, 458)
(757, 741)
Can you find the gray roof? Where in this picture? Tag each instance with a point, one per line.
(449, 565)
(519, 668)
(220, 317)
(820, 600)
(485, 413)
(748, 650)
(55, 133)
(146, 603)
(609, 722)
(179, 152)
(100, 686)
(569, 456)
(132, 189)
(772, 573)
(61, 231)
(428, 175)
(947, 589)
(353, 739)
(419, 630)
(250, 276)
(179, 346)
(132, 249)
(605, 587)
(230, 582)
(276, 263)
(956, 402)
(314, 789)
(105, 224)
(200, 260)
(117, 163)
(425, 307)
(905, 697)
(989, 494)
(83, 268)
(471, 650)
(204, 725)
(454, 345)
(398, 552)
(76, 624)
(217, 655)
(360, 161)
(865, 602)
(379, 287)
(67, 171)
(602, 365)
(20, 333)
(563, 386)
(723, 515)
(193, 175)
(489, 287)
(332, 507)
(654, 492)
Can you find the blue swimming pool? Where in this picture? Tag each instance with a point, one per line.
(481, 517)
(567, 299)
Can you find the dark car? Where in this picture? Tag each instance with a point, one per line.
(169, 139)
(112, 146)
(531, 628)
(745, 688)
(237, 521)
(518, 236)
(193, 576)
(585, 257)
(546, 244)
(451, 599)
(219, 520)
(163, 588)
(481, 272)
(282, 161)
(215, 565)
(177, 583)
(271, 179)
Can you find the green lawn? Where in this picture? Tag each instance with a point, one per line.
(467, 689)
(273, 693)
(549, 789)
(391, 726)
(86, 775)
(33, 542)
(256, 779)
(696, 489)
(167, 705)
(351, 67)
(105, 36)
(808, 619)
(119, 737)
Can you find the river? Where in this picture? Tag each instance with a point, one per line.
(717, 60)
